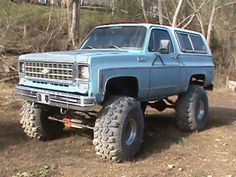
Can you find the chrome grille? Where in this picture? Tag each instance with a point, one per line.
(52, 71)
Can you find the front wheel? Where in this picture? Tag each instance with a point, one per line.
(192, 109)
(36, 124)
(118, 130)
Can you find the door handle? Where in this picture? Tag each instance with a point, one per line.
(140, 59)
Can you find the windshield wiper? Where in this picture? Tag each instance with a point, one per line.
(89, 47)
(114, 46)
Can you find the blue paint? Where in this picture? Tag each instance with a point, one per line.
(156, 78)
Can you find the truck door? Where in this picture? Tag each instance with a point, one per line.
(165, 68)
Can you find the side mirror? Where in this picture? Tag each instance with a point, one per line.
(164, 46)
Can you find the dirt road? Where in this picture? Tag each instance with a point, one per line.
(165, 152)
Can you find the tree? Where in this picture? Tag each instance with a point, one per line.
(211, 21)
(144, 11)
(73, 12)
(160, 12)
(177, 11)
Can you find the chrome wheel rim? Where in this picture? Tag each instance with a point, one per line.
(200, 109)
(130, 132)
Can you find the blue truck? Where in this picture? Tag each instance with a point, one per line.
(106, 85)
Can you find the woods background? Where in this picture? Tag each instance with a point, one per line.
(40, 26)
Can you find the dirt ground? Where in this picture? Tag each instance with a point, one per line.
(166, 151)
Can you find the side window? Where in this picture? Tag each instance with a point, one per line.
(184, 42)
(156, 36)
(191, 43)
(198, 43)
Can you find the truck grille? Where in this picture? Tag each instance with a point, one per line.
(52, 71)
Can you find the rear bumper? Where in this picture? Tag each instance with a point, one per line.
(58, 99)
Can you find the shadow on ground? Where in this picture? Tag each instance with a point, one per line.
(160, 131)
(11, 134)
(220, 116)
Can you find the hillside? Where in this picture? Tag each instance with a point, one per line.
(34, 28)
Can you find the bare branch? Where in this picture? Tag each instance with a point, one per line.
(173, 3)
(144, 11)
(160, 12)
(191, 16)
(167, 17)
(54, 34)
(227, 4)
(192, 5)
(189, 22)
(11, 67)
(211, 20)
(8, 79)
(174, 22)
(73, 12)
(198, 15)
(199, 18)
(49, 20)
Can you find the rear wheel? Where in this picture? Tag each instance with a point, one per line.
(36, 124)
(192, 109)
(118, 130)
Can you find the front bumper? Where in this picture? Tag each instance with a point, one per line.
(58, 99)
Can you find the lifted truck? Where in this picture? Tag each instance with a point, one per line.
(117, 72)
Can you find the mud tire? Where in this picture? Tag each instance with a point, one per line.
(192, 109)
(35, 123)
(111, 132)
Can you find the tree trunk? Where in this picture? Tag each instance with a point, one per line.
(160, 12)
(25, 31)
(199, 17)
(144, 11)
(174, 22)
(73, 11)
(211, 21)
(113, 8)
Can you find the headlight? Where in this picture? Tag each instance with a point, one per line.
(21, 67)
(83, 72)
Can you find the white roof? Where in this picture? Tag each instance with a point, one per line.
(148, 25)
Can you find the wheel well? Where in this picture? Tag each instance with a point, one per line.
(122, 86)
(197, 79)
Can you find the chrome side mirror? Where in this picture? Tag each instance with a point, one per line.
(164, 46)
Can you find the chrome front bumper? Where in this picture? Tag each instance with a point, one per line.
(55, 98)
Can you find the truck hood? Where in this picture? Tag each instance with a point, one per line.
(80, 56)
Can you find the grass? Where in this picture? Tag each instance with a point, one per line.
(27, 13)
(24, 13)
(43, 28)
(5, 87)
(7, 94)
(41, 172)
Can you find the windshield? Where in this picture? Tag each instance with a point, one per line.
(118, 37)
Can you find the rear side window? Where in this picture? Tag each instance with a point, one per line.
(198, 43)
(191, 43)
(184, 42)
